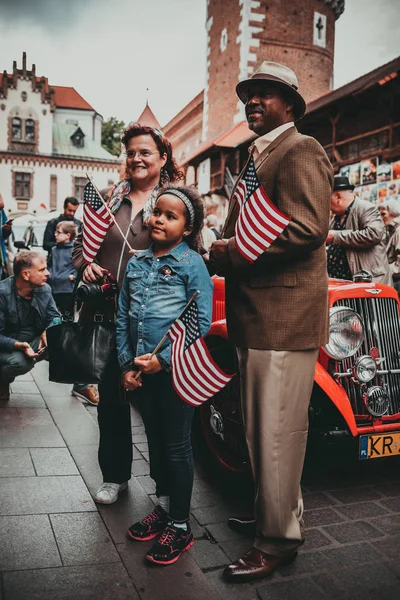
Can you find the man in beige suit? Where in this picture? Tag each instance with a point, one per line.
(277, 313)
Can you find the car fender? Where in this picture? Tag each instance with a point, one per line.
(337, 395)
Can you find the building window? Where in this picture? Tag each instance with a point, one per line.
(30, 130)
(79, 186)
(22, 185)
(16, 128)
(53, 192)
(78, 138)
(224, 40)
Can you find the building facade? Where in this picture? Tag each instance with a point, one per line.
(50, 137)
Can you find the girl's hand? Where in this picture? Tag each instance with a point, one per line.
(131, 381)
(72, 277)
(148, 366)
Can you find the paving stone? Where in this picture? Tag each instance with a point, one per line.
(83, 539)
(39, 495)
(353, 532)
(389, 524)
(306, 562)
(198, 530)
(86, 459)
(145, 455)
(74, 422)
(208, 554)
(353, 495)
(222, 533)
(297, 589)
(316, 539)
(27, 542)
(321, 516)
(136, 455)
(50, 389)
(389, 594)
(355, 554)
(138, 429)
(227, 591)
(24, 401)
(202, 500)
(362, 510)
(24, 387)
(132, 505)
(147, 484)
(317, 500)
(234, 549)
(15, 462)
(140, 467)
(89, 582)
(214, 514)
(389, 546)
(392, 504)
(331, 587)
(183, 580)
(25, 377)
(53, 461)
(139, 438)
(142, 447)
(359, 580)
(28, 428)
(389, 489)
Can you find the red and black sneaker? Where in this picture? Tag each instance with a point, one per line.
(170, 545)
(150, 526)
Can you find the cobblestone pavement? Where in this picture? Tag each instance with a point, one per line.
(56, 544)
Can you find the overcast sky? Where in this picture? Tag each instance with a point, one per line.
(110, 52)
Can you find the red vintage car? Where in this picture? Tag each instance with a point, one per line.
(356, 391)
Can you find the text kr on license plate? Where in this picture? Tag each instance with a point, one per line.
(380, 445)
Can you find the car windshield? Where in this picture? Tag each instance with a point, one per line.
(37, 234)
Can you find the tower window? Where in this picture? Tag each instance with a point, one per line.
(16, 128)
(319, 37)
(224, 40)
(30, 130)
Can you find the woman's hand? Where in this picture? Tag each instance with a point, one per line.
(148, 365)
(93, 273)
(131, 381)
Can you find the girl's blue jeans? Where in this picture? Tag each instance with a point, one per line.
(168, 423)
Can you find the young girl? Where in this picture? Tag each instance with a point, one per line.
(158, 284)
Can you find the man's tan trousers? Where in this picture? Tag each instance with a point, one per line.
(275, 391)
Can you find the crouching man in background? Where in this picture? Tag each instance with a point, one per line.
(27, 308)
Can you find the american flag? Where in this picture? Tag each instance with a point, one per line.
(96, 221)
(195, 375)
(260, 222)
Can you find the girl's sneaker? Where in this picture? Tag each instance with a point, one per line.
(170, 545)
(150, 526)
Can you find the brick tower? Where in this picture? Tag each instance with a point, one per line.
(243, 33)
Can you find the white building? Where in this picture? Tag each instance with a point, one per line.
(49, 138)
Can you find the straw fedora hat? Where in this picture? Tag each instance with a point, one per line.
(282, 76)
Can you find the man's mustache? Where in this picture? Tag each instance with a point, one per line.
(254, 109)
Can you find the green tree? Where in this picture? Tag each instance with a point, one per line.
(111, 135)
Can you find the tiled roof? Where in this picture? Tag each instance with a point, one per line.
(231, 138)
(68, 97)
(63, 146)
(147, 118)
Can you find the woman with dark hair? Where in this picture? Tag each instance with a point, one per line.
(149, 166)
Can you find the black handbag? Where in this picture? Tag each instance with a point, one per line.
(82, 352)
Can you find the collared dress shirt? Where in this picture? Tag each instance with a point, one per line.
(338, 266)
(154, 292)
(264, 141)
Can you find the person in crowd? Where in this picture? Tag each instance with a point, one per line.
(277, 315)
(62, 279)
(212, 223)
(27, 308)
(149, 164)
(390, 213)
(208, 237)
(70, 207)
(158, 284)
(5, 231)
(356, 237)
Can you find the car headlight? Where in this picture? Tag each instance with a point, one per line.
(346, 333)
(365, 369)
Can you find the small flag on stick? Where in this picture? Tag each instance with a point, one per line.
(195, 375)
(260, 222)
(96, 221)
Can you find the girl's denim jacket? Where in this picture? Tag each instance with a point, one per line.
(153, 294)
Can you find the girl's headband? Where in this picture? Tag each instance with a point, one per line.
(185, 201)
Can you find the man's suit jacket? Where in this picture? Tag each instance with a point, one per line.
(364, 241)
(280, 302)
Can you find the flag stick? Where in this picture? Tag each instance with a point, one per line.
(110, 213)
(160, 343)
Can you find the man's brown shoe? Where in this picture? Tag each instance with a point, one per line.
(255, 565)
(4, 391)
(89, 394)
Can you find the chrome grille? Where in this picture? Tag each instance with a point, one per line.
(382, 331)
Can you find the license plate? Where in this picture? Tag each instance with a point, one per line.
(379, 445)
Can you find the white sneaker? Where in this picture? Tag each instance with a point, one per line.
(108, 492)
